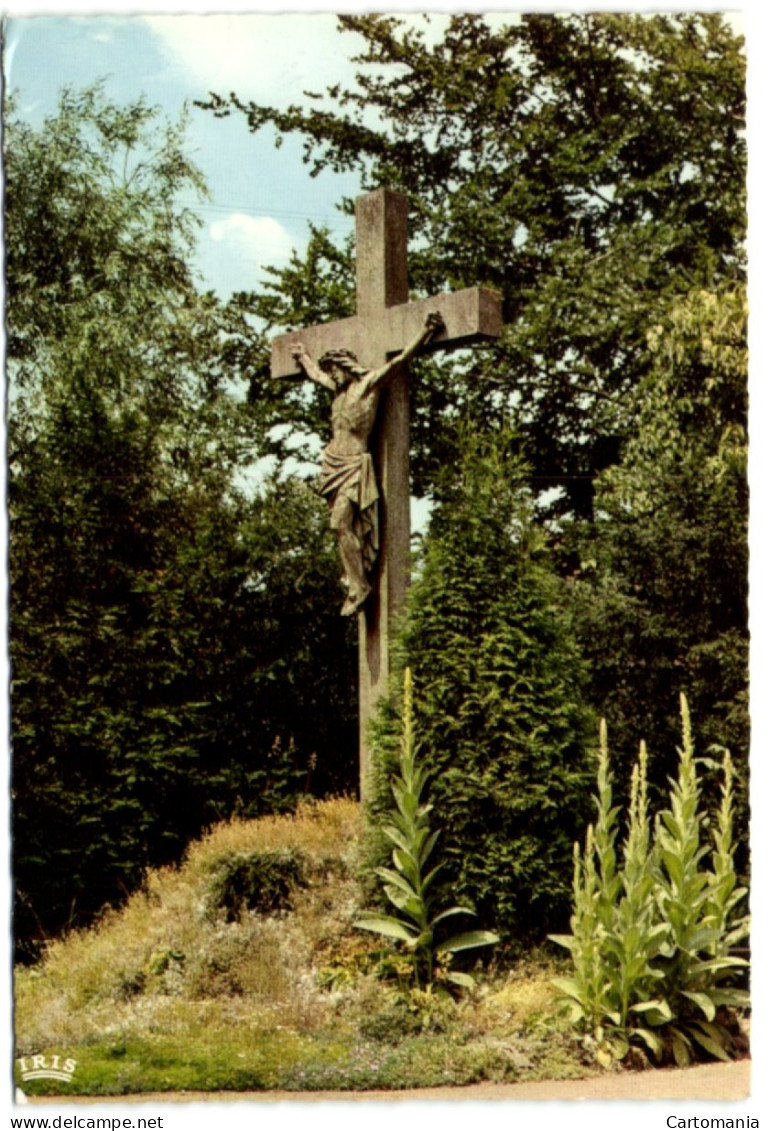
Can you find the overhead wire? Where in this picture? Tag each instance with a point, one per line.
(274, 213)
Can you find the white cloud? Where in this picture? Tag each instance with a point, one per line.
(269, 57)
(239, 246)
(260, 238)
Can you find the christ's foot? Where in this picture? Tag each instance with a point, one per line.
(355, 600)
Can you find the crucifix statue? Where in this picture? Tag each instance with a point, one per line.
(348, 478)
(365, 471)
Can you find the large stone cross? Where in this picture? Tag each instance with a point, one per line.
(383, 325)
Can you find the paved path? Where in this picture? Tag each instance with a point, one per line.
(703, 1082)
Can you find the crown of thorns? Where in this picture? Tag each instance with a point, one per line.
(346, 359)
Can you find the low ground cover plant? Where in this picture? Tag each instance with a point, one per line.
(655, 926)
(244, 969)
(164, 994)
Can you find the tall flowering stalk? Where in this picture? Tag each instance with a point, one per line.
(651, 939)
(594, 886)
(408, 884)
(725, 893)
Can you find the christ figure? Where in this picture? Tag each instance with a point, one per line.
(347, 478)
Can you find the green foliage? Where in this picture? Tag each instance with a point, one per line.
(91, 232)
(175, 656)
(661, 597)
(588, 166)
(408, 885)
(160, 995)
(263, 882)
(497, 697)
(225, 1058)
(651, 938)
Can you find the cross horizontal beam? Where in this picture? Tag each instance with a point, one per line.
(470, 315)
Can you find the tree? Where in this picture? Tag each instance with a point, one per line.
(173, 656)
(499, 719)
(662, 595)
(591, 167)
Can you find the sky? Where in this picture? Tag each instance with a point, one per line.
(262, 198)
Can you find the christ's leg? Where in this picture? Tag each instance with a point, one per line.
(350, 551)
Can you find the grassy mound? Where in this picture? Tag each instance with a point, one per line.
(241, 970)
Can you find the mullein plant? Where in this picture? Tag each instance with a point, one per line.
(594, 891)
(725, 893)
(700, 906)
(409, 882)
(615, 935)
(651, 939)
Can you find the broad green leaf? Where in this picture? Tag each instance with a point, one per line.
(570, 987)
(428, 846)
(656, 1012)
(396, 896)
(467, 941)
(568, 941)
(710, 1041)
(451, 911)
(682, 1050)
(737, 934)
(652, 1040)
(738, 999)
(415, 909)
(459, 979)
(397, 836)
(702, 938)
(396, 880)
(605, 1056)
(703, 1001)
(714, 965)
(407, 865)
(428, 879)
(385, 925)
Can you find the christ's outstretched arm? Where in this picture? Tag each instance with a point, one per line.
(380, 378)
(311, 368)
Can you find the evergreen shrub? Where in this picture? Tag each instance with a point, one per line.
(497, 699)
(263, 882)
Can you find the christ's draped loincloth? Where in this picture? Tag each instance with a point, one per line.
(354, 477)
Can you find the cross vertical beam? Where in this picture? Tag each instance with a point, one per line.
(384, 324)
(382, 282)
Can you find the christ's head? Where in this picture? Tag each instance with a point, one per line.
(342, 366)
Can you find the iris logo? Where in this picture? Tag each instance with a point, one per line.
(47, 1068)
